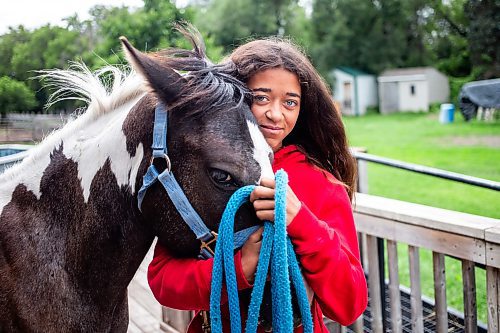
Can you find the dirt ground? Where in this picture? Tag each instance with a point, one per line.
(492, 141)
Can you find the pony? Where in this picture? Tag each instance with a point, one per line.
(71, 233)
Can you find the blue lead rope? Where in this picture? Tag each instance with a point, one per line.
(276, 250)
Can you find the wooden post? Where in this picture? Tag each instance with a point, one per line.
(440, 292)
(417, 321)
(469, 284)
(492, 279)
(362, 181)
(178, 319)
(374, 284)
(394, 292)
(358, 325)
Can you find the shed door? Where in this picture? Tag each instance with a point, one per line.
(390, 97)
(347, 107)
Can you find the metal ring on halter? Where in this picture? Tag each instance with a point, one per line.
(167, 160)
(206, 245)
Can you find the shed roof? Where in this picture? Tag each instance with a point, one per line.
(352, 71)
(406, 71)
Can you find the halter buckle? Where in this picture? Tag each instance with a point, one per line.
(206, 245)
(167, 161)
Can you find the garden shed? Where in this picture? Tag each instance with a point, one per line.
(354, 90)
(411, 89)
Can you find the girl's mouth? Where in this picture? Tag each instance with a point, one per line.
(271, 128)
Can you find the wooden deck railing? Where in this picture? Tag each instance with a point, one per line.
(474, 240)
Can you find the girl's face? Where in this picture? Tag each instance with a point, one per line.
(276, 103)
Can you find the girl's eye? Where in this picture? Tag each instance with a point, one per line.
(291, 103)
(260, 98)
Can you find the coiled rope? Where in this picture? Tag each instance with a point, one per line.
(277, 250)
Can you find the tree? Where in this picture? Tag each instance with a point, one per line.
(233, 22)
(15, 96)
(148, 28)
(368, 35)
(484, 36)
(446, 30)
(331, 42)
(15, 36)
(46, 47)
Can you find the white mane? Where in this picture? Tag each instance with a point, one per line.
(105, 90)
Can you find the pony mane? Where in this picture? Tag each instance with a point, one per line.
(208, 86)
(103, 91)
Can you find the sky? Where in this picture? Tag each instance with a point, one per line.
(35, 13)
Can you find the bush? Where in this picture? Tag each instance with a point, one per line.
(15, 96)
(456, 84)
(434, 107)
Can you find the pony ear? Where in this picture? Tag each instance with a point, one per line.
(164, 80)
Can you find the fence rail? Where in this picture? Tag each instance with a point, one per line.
(485, 183)
(25, 127)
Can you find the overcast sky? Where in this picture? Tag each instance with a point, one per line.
(35, 13)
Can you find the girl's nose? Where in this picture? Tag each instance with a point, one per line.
(274, 113)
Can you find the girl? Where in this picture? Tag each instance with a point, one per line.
(296, 114)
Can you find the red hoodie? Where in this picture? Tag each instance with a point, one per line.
(325, 242)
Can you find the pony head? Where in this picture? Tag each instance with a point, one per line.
(214, 144)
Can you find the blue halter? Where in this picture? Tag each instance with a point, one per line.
(175, 192)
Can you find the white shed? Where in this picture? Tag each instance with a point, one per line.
(411, 89)
(354, 90)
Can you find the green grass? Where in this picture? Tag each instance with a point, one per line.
(468, 148)
(421, 139)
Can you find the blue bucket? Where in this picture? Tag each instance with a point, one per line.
(446, 113)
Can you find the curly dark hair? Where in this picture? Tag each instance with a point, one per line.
(319, 132)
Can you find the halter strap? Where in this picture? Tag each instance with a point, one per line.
(175, 192)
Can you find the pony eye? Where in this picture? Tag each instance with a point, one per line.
(222, 178)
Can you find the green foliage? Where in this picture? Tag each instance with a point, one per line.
(147, 28)
(94, 41)
(46, 47)
(15, 96)
(15, 36)
(446, 35)
(484, 36)
(233, 22)
(369, 35)
(456, 84)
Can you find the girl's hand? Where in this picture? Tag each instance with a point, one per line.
(250, 254)
(262, 198)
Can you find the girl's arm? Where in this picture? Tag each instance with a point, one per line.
(184, 284)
